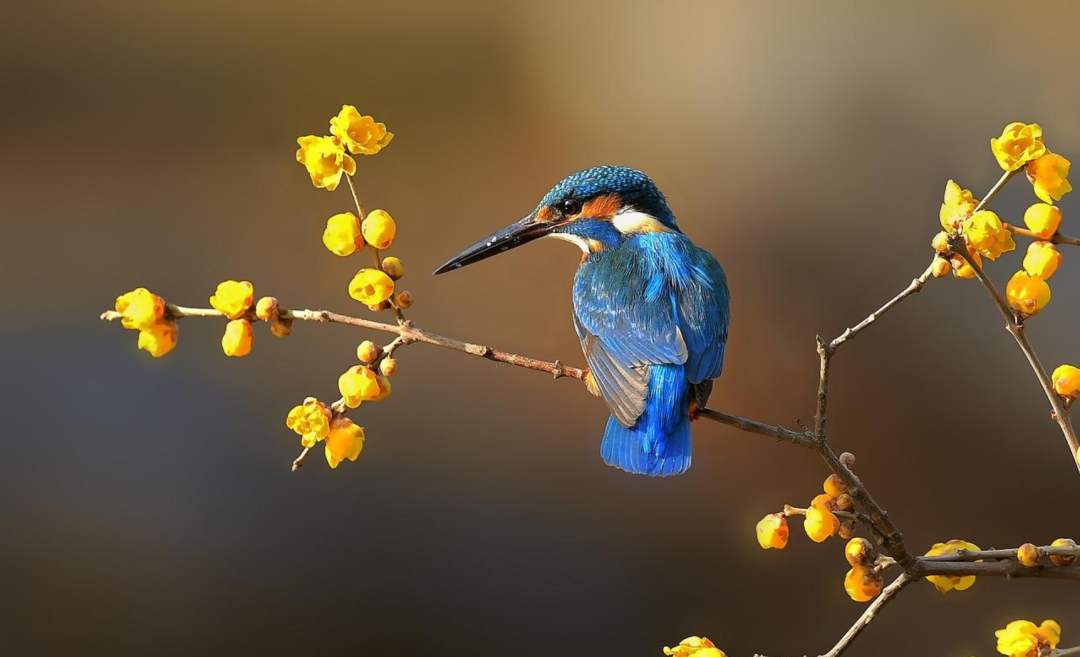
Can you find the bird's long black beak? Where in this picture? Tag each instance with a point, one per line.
(514, 235)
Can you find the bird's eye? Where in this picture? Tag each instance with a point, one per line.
(570, 207)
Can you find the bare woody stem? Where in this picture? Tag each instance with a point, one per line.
(1056, 238)
(870, 614)
(1015, 326)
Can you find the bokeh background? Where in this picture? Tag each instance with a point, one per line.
(147, 507)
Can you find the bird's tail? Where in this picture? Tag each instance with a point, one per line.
(658, 444)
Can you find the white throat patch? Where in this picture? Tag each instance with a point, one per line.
(573, 239)
(633, 221)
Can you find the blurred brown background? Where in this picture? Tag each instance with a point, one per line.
(147, 505)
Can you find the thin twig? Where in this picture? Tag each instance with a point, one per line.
(1066, 652)
(1015, 327)
(915, 286)
(1056, 238)
(871, 612)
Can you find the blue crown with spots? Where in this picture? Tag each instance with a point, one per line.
(634, 188)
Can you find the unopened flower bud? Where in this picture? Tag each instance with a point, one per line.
(859, 552)
(863, 584)
(1066, 380)
(844, 502)
(1028, 555)
(393, 267)
(388, 366)
(404, 299)
(834, 486)
(847, 459)
(378, 307)
(266, 308)
(1063, 559)
(940, 268)
(282, 328)
(847, 528)
(940, 243)
(368, 352)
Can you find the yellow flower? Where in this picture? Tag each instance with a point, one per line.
(820, 523)
(1043, 220)
(958, 204)
(342, 235)
(238, 338)
(858, 552)
(1028, 555)
(863, 584)
(834, 486)
(358, 384)
(344, 441)
(1063, 559)
(159, 338)
(986, 234)
(1049, 175)
(1027, 295)
(360, 134)
(961, 267)
(379, 229)
(1018, 144)
(1025, 639)
(1042, 260)
(772, 531)
(325, 160)
(393, 267)
(139, 309)
(233, 298)
(946, 583)
(311, 420)
(384, 388)
(371, 286)
(694, 646)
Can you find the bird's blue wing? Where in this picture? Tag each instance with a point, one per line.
(625, 317)
(703, 309)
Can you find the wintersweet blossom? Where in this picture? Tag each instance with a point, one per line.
(958, 204)
(325, 160)
(1027, 295)
(694, 646)
(1063, 559)
(139, 309)
(238, 338)
(1049, 176)
(1018, 144)
(1028, 555)
(772, 532)
(986, 234)
(1023, 638)
(233, 298)
(358, 384)
(345, 441)
(342, 235)
(159, 338)
(362, 135)
(310, 420)
(379, 229)
(946, 583)
(1043, 219)
(371, 286)
(1042, 260)
(820, 522)
(863, 583)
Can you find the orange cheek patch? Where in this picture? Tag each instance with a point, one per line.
(544, 214)
(602, 207)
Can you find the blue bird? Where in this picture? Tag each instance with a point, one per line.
(650, 308)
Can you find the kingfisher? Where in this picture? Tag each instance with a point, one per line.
(651, 309)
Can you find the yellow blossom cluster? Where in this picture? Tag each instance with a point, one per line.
(985, 235)
(946, 583)
(143, 311)
(694, 646)
(315, 422)
(1022, 638)
(325, 157)
(864, 581)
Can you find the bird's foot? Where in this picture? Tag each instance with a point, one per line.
(695, 411)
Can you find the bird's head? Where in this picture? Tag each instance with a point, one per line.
(595, 209)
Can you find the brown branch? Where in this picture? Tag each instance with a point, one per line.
(1015, 326)
(1066, 652)
(870, 614)
(1056, 238)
